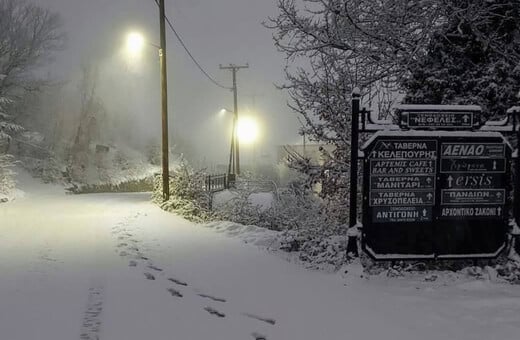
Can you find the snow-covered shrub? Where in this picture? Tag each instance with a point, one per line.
(187, 195)
(49, 169)
(7, 183)
(129, 185)
(7, 129)
(302, 219)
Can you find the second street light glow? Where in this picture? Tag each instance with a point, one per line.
(247, 130)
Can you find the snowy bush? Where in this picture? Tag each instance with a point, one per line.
(129, 185)
(187, 195)
(302, 219)
(7, 183)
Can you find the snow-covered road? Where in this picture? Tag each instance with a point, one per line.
(116, 267)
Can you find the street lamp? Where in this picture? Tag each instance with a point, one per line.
(135, 43)
(245, 130)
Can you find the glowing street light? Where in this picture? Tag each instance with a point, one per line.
(247, 130)
(135, 44)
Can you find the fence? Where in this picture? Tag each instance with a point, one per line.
(214, 183)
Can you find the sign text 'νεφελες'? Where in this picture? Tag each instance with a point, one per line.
(425, 119)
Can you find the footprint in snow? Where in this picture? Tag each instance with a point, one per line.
(213, 311)
(266, 320)
(123, 253)
(179, 282)
(174, 292)
(155, 268)
(122, 244)
(133, 248)
(132, 263)
(212, 297)
(258, 336)
(149, 276)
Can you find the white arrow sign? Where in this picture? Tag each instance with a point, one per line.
(450, 181)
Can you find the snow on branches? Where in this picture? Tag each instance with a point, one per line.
(473, 58)
(332, 46)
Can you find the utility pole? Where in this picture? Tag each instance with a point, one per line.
(164, 104)
(235, 143)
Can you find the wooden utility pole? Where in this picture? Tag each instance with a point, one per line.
(164, 104)
(235, 143)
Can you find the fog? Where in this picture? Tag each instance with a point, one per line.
(216, 32)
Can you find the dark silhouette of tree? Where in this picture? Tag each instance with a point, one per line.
(474, 58)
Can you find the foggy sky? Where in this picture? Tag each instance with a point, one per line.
(217, 32)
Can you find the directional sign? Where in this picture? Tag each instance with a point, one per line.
(480, 212)
(435, 194)
(473, 165)
(402, 177)
(402, 167)
(473, 185)
(472, 180)
(473, 196)
(473, 150)
(402, 182)
(401, 214)
(402, 198)
(404, 149)
(432, 119)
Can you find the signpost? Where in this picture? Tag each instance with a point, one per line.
(446, 117)
(435, 195)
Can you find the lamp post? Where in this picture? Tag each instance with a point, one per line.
(135, 44)
(164, 104)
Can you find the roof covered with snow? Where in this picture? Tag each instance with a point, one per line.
(429, 107)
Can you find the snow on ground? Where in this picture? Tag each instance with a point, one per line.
(114, 266)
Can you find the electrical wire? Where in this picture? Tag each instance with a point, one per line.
(181, 41)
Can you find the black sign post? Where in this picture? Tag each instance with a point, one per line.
(354, 146)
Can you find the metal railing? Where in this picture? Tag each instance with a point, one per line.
(214, 183)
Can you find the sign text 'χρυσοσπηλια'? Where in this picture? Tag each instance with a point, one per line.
(401, 198)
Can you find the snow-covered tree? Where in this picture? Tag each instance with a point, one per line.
(474, 58)
(332, 46)
(29, 34)
(7, 127)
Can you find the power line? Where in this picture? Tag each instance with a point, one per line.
(210, 78)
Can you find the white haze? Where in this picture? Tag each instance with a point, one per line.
(217, 32)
